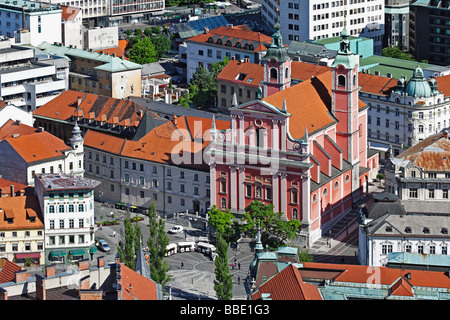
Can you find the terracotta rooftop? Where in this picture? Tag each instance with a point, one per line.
(5, 186)
(15, 127)
(38, 146)
(8, 270)
(92, 106)
(69, 13)
(163, 143)
(287, 285)
(20, 208)
(431, 154)
(235, 34)
(136, 286)
(249, 74)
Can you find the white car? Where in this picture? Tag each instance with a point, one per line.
(176, 229)
(103, 245)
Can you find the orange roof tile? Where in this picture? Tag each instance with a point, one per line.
(308, 102)
(304, 71)
(431, 154)
(376, 84)
(8, 271)
(444, 85)
(163, 143)
(5, 186)
(239, 33)
(136, 286)
(21, 208)
(13, 127)
(117, 111)
(234, 68)
(383, 275)
(123, 44)
(69, 13)
(288, 285)
(118, 51)
(38, 146)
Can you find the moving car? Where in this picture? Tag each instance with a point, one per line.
(103, 245)
(176, 229)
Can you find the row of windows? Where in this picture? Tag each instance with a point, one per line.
(388, 248)
(70, 239)
(27, 247)
(432, 193)
(66, 208)
(15, 234)
(62, 223)
(155, 196)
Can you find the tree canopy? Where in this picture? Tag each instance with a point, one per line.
(142, 51)
(275, 230)
(397, 53)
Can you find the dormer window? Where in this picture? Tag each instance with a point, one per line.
(426, 230)
(408, 230)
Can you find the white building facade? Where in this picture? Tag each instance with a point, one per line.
(318, 19)
(67, 204)
(42, 20)
(413, 111)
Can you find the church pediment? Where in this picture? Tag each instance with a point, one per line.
(258, 107)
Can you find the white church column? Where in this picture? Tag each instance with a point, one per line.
(241, 193)
(213, 183)
(233, 188)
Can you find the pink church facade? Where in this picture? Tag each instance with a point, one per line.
(302, 148)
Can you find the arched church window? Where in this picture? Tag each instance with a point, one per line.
(273, 73)
(295, 214)
(223, 203)
(287, 72)
(341, 80)
(354, 80)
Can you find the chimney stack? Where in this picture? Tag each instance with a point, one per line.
(11, 187)
(41, 291)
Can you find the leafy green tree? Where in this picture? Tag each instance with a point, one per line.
(142, 52)
(161, 44)
(397, 53)
(157, 247)
(156, 30)
(222, 222)
(223, 284)
(126, 246)
(275, 230)
(148, 31)
(305, 256)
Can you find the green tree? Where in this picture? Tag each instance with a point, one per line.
(397, 53)
(222, 222)
(203, 84)
(223, 284)
(126, 245)
(161, 44)
(156, 30)
(157, 247)
(148, 31)
(304, 256)
(142, 52)
(275, 230)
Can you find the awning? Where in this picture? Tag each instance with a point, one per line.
(57, 253)
(25, 255)
(378, 146)
(77, 252)
(93, 249)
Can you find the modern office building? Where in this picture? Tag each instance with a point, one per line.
(28, 81)
(396, 30)
(429, 31)
(318, 19)
(43, 20)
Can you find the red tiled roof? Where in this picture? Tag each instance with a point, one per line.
(304, 71)
(234, 68)
(431, 154)
(13, 127)
(444, 84)
(383, 275)
(239, 33)
(69, 13)
(38, 146)
(288, 285)
(5, 186)
(92, 106)
(118, 51)
(136, 286)
(20, 208)
(308, 102)
(163, 143)
(7, 273)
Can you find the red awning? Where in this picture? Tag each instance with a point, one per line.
(31, 255)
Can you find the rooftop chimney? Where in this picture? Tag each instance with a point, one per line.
(11, 187)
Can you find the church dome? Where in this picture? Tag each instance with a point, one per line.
(418, 86)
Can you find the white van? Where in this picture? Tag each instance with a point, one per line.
(206, 248)
(186, 246)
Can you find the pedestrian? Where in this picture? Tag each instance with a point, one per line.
(239, 266)
(328, 242)
(239, 280)
(114, 233)
(182, 265)
(232, 266)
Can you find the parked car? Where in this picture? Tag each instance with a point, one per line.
(103, 245)
(176, 229)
